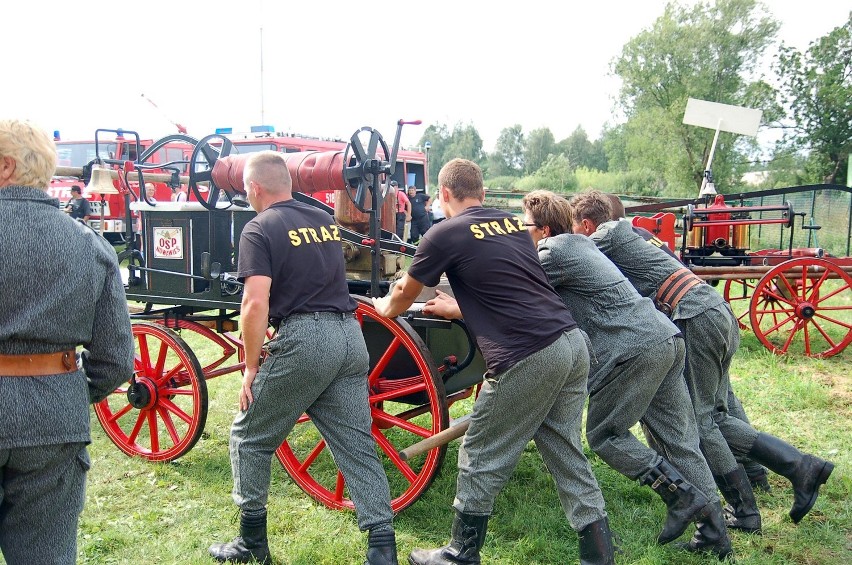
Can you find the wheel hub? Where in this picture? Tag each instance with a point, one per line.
(142, 394)
(805, 310)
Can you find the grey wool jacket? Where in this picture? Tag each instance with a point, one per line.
(60, 288)
(620, 323)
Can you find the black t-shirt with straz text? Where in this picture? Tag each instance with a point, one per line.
(502, 291)
(298, 246)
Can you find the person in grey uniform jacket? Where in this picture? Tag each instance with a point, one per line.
(295, 277)
(537, 360)
(755, 471)
(636, 373)
(712, 338)
(60, 288)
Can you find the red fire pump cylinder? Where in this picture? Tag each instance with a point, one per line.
(311, 171)
(718, 235)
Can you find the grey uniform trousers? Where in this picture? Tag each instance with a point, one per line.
(317, 364)
(650, 387)
(540, 398)
(712, 339)
(42, 490)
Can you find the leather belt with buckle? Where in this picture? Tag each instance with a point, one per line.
(674, 288)
(38, 364)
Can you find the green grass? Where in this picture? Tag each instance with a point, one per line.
(139, 512)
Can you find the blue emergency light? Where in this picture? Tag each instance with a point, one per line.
(224, 131)
(262, 129)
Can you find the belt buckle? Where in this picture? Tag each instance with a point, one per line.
(69, 360)
(664, 307)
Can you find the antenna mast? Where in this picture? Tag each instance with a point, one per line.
(262, 110)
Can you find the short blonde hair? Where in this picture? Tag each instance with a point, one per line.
(463, 178)
(33, 151)
(268, 168)
(548, 209)
(592, 205)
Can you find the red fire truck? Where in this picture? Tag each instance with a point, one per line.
(411, 166)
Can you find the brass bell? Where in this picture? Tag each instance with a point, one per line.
(101, 182)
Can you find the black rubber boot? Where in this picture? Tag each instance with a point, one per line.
(683, 500)
(249, 547)
(805, 472)
(758, 477)
(596, 544)
(710, 535)
(381, 548)
(741, 512)
(468, 537)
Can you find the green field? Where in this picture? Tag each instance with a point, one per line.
(140, 512)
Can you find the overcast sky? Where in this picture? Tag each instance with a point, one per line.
(330, 67)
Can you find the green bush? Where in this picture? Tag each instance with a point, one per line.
(501, 183)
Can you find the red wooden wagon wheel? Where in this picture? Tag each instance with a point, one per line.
(803, 303)
(738, 293)
(161, 412)
(408, 404)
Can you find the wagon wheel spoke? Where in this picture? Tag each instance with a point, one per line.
(309, 460)
(171, 407)
(168, 424)
(388, 420)
(392, 454)
(140, 421)
(153, 430)
(127, 408)
(737, 293)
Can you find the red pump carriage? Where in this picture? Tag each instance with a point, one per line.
(793, 298)
(184, 276)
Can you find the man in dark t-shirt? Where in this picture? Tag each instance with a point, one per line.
(420, 221)
(537, 361)
(78, 207)
(293, 271)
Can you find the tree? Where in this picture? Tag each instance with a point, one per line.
(817, 88)
(540, 144)
(705, 51)
(583, 153)
(464, 142)
(508, 156)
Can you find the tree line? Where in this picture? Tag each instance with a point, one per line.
(709, 51)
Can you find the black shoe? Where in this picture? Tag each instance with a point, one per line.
(710, 534)
(249, 547)
(381, 548)
(805, 472)
(684, 501)
(596, 544)
(757, 476)
(468, 537)
(741, 512)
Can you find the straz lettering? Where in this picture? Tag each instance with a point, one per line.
(503, 226)
(299, 236)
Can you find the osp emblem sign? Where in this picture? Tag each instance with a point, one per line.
(168, 243)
